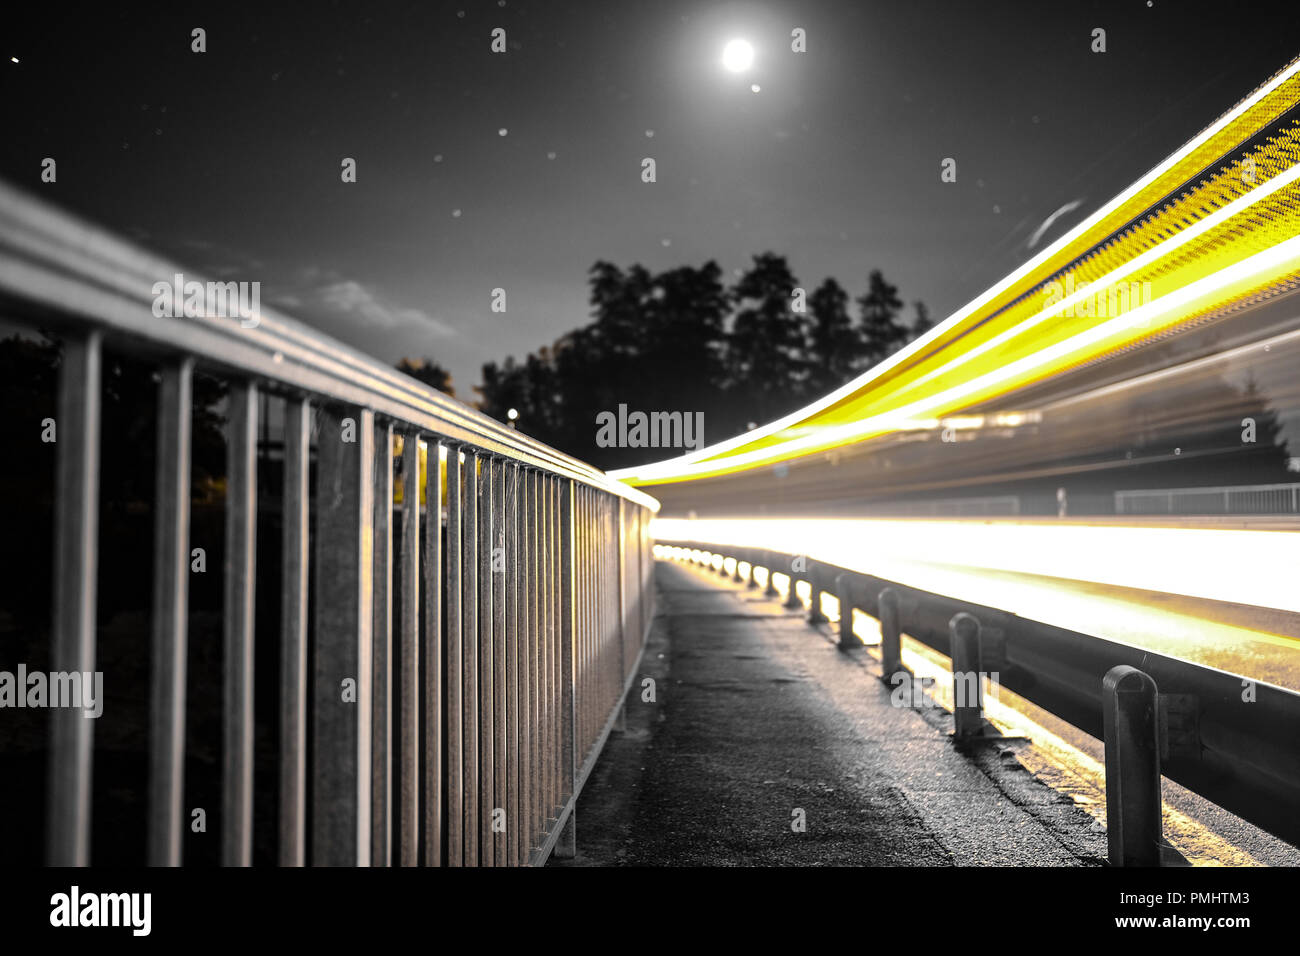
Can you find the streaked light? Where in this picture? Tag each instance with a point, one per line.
(1233, 218)
(1237, 279)
(1254, 568)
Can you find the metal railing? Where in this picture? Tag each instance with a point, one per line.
(1231, 739)
(482, 695)
(1227, 500)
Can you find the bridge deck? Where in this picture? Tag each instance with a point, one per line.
(757, 715)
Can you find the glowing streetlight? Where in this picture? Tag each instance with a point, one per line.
(738, 56)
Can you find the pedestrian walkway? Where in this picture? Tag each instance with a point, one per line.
(766, 745)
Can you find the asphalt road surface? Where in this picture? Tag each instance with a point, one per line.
(765, 745)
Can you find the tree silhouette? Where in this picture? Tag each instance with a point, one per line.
(921, 323)
(767, 351)
(682, 341)
(882, 333)
(835, 348)
(429, 372)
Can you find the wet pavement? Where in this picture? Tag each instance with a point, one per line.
(765, 745)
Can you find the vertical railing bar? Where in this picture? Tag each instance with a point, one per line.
(240, 580)
(595, 634)
(542, 806)
(170, 614)
(454, 656)
(344, 608)
(552, 649)
(76, 547)
(381, 714)
(514, 573)
(585, 676)
(527, 592)
(431, 657)
(293, 633)
(604, 574)
(500, 568)
(535, 610)
(569, 515)
(547, 517)
(501, 560)
(579, 636)
(408, 656)
(623, 655)
(486, 667)
(469, 647)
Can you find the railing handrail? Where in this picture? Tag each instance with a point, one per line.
(59, 271)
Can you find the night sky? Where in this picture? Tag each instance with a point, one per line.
(229, 161)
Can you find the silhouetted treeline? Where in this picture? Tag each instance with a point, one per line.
(429, 372)
(685, 341)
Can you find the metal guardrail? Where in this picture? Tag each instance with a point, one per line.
(1226, 500)
(482, 699)
(1233, 740)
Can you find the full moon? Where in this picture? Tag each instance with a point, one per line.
(737, 56)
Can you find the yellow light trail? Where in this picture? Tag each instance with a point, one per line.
(1223, 239)
(1237, 280)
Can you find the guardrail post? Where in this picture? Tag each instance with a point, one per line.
(844, 591)
(891, 649)
(736, 576)
(1132, 767)
(751, 582)
(769, 591)
(815, 615)
(964, 631)
(792, 601)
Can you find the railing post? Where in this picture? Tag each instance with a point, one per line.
(844, 591)
(344, 605)
(487, 495)
(566, 845)
(72, 644)
(500, 556)
(170, 616)
(964, 631)
(891, 650)
(515, 633)
(410, 657)
(295, 557)
(381, 646)
(432, 601)
(470, 683)
(620, 721)
(240, 586)
(770, 591)
(1132, 767)
(751, 582)
(453, 593)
